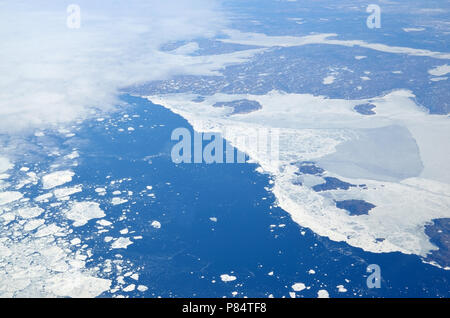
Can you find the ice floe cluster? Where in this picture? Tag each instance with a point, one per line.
(43, 253)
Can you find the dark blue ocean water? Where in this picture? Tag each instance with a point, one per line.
(189, 252)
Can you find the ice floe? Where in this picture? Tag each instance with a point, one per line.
(122, 242)
(67, 192)
(118, 201)
(227, 278)
(83, 212)
(156, 224)
(298, 287)
(56, 179)
(76, 286)
(31, 212)
(328, 80)
(323, 294)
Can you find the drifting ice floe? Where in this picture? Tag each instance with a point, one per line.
(156, 224)
(82, 212)
(39, 257)
(122, 242)
(227, 278)
(298, 287)
(323, 294)
(56, 179)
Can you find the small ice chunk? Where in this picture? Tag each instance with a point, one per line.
(72, 155)
(323, 294)
(117, 201)
(104, 223)
(43, 197)
(65, 192)
(122, 242)
(328, 80)
(341, 288)
(9, 196)
(129, 288)
(142, 288)
(156, 224)
(298, 287)
(227, 278)
(75, 241)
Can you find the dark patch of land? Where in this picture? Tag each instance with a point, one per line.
(355, 207)
(332, 183)
(308, 167)
(242, 106)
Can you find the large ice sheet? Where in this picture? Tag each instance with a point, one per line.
(398, 154)
(387, 154)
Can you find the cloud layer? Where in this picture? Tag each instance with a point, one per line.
(51, 74)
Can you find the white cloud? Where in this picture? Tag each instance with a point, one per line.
(52, 74)
(260, 39)
(440, 70)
